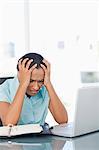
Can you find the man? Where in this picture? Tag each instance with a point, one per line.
(26, 98)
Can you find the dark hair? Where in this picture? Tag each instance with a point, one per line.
(37, 59)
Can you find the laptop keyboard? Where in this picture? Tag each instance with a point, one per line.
(63, 128)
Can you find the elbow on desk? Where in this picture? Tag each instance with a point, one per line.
(7, 122)
(62, 120)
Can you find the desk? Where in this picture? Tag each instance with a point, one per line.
(48, 142)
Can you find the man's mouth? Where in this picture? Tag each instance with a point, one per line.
(34, 92)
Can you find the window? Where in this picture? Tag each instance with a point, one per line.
(12, 35)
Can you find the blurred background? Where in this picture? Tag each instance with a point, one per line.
(66, 32)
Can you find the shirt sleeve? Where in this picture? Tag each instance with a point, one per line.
(4, 92)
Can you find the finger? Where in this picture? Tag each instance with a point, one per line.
(45, 61)
(47, 64)
(19, 64)
(43, 67)
(28, 63)
(24, 62)
(33, 67)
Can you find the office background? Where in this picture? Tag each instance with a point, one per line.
(65, 32)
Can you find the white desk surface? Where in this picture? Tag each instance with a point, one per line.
(47, 142)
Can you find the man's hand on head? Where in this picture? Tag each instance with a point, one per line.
(24, 72)
(47, 72)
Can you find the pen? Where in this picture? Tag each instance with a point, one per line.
(10, 127)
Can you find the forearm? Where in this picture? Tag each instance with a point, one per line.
(56, 107)
(15, 108)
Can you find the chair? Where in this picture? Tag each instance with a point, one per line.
(2, 79)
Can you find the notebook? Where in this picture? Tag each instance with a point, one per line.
(10, 130)
(86, 117)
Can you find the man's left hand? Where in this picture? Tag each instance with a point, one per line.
(47, 72)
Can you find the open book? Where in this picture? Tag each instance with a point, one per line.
(11, 130)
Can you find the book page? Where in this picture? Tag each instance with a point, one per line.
(4, 131)
(25, 129)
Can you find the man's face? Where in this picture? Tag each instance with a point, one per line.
(36, 81)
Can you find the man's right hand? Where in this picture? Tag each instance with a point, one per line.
(24, 72)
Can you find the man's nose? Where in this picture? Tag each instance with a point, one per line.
(35, 85)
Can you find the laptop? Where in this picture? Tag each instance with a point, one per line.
(86, 117)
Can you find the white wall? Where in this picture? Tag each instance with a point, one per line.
(65, 32)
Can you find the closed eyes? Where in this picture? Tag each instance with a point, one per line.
(39, 81)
